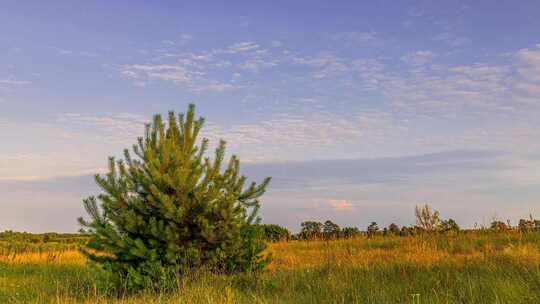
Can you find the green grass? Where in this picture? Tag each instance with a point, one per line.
(465, 268)
(495, 281)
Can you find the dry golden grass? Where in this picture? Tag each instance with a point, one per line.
(347, 252)
(363, 252)
(464, 268)
(53, 257)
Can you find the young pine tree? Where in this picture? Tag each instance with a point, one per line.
(169, 209)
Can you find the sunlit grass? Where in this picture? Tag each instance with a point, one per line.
(55, 257)
(464, 268)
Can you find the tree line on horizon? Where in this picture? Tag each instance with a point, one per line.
(427, 221)
(313, 230)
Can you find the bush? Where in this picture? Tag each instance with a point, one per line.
(275, 233)
(449, 226)
(170, 209)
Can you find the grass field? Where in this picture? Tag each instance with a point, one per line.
(474, 267)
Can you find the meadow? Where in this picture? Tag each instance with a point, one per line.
(480, 266)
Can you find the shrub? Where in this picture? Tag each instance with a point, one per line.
(170, 209)
(449, 225)
(275, 233)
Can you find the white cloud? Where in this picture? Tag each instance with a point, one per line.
(63, 51)
(325, 65)
(527, 79)
(14, 82)
(288, 137)
(340, 204)
(439, 89)
(451, 39)
(418, 57)
(175, 73)
(282, 138)
(181, 40)
(256, 64)
(242, 47)
(214, 86)
(184, 72)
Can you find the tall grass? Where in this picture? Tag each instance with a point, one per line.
(480, 267)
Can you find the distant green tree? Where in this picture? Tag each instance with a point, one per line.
(349, 232)
(393, 229)
(310, 230)
(449, 226)
(275, 233)
(372, 229)
(405, 231)
(330, 230)
(411, 230)
(170, 209)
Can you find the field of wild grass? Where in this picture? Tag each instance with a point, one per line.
(471, 267)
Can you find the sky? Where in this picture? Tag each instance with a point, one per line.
(358, 110)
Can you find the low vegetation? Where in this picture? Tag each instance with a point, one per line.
(481, 266)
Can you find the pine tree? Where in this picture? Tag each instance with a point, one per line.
(169, 209)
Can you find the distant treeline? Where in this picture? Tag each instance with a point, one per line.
(427, 221)
(12, 242)
(49, 237)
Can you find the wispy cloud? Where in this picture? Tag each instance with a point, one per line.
(257, 64)
(242, 47)
(14, 82)
(418, 57)
(451, 39)
(175, 73)
(184, 72)
(369, 38)
(70, 52)
(527, 81)
(324, 65)
(340, 204)
(447, 90)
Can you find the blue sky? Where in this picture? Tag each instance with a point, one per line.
(359, 111)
